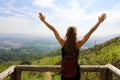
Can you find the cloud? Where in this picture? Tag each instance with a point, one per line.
(59, 14)
(16, 25)
(75, 13)
(113, 16)
(44, 3)
(14, 8)
(7, 6)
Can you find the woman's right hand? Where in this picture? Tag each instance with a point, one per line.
(42, 18)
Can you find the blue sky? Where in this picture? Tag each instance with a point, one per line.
(20, 16)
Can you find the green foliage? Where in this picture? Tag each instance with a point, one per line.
(26, 61)
(33, 76)
(48, 60)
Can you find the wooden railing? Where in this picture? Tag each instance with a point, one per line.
(15, 71)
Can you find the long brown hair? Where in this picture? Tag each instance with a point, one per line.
(70, 41)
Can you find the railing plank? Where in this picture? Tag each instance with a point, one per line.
(114, 70)
(41, 68)
(92, 68)
(56, 68)
(7, 72)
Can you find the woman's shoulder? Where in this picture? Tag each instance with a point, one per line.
(78, 44)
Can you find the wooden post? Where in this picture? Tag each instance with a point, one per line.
(16, 75)
(103, 75)
(109, 75)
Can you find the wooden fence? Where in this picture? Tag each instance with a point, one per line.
(15, 72)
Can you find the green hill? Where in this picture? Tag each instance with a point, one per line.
(107, 52)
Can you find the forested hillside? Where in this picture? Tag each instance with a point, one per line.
(107, 52)
(100, 54)
(14, 47)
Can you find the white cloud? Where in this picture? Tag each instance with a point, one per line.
(17, 25)
(8, 6)
(62, 17)
(44, 3)
(113, 16)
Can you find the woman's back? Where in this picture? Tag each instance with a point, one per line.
(70, 69)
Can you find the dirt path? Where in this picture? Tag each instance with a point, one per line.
(48, 76)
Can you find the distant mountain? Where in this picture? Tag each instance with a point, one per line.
(45, 44)
(98, 40)
(48, 43)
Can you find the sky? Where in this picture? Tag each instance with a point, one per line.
(21, 16)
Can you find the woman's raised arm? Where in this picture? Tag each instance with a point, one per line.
(86, 36)
(42, 18)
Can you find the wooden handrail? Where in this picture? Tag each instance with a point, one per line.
(16, 71)
(56, 68)
(114, 70)
(7, 72)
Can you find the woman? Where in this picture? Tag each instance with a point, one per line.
(70, 45)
